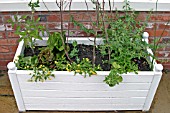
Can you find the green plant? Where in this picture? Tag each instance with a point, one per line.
(122, 45)
(158, 42)
(74, 52)
(122, 42)
(34, 5)
(125, 43)
(54, 50)
(84, 67)
(55, 44)
(28, 27)
(41, 73)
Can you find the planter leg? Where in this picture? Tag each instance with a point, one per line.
(153, 87)
(15, 86)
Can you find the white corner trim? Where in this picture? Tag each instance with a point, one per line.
(138, 5)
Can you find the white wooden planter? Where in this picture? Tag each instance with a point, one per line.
(75, 93)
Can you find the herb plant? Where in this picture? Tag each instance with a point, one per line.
(122, 45)
(28, 27)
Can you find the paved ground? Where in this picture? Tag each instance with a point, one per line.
(161, 102)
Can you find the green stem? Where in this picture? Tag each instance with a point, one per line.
(61, 17)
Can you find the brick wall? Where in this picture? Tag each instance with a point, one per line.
(8, 40)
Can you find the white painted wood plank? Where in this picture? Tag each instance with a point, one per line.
(151, 93)
(83, 86)
(101, 73)
(44, 100)
(19, 50)
(84, 94)
(83, 107)
(16, 89)
(92, 79)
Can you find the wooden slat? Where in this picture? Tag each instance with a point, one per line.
(84, 94)
(83, 86)
(16, 89)
(83, 107)
(85, 40)
(99, 73)
(151, 93)
(92, 79)
(44, 100)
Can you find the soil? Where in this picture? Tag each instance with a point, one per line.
(86, 51)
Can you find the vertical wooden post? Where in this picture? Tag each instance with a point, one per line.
(153, 87)
(145, 36)
(15, 86)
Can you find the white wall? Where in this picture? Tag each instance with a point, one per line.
(138, 5)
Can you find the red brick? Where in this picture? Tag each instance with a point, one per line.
(6, 56)
(53, 26)
(4, 62)
(167, 48)
(13, 41)
(36, 17)
(141, 17)
(6, 18)
(23, 13)
(77, 33)
(11, 34)
(158, 33)
(8, 13)
(53, 18)
(1, 20)
(164, 26)
(80, 16)
(162, 40)
(4, 49)
(151, 26)
(166, 66)
(57, 26)
(66, 17)
(4, 42)
(2, 35)
(164, 54)
(90, 16)
(13, 48)
(88, 25)
(160, 17)
(3, 68)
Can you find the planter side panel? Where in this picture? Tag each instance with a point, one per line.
(152, 92)
(16, 89)
(69, 92)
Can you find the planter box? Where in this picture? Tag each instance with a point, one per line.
(76, 93)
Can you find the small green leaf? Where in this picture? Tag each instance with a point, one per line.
(74, 43)
(61, 48)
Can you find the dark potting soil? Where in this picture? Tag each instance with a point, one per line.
(86, 51)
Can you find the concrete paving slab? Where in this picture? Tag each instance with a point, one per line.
(161, 102)
(7, 105)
